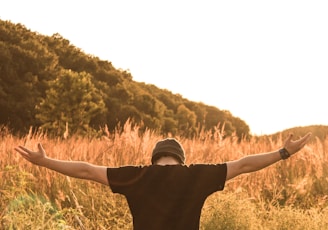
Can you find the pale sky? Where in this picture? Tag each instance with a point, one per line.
(264, 61)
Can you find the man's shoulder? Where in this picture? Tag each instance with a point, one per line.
(207, 165)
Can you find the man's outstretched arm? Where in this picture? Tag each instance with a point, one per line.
(256, 162)
(77, 169)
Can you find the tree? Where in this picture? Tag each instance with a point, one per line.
(18, 87)
(71, 99)
(169, 126)
(147, 104)
(30, 63)
(242, 129)
(186, 120)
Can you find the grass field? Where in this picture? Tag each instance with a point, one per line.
(289, 194)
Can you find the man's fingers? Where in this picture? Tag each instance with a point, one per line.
(40, 147)
(307, 137)
(25, 156)
(289, 138)
(22, 153)
(22, 148)
(303, 140)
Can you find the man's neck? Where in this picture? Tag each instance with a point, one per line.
(167, 160)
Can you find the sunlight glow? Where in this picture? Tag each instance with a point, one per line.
(265, 62)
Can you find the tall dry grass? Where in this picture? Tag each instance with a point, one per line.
(291, 191)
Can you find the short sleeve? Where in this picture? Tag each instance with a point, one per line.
(123, 177)
(210, 177)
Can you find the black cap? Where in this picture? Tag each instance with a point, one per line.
(169, 146)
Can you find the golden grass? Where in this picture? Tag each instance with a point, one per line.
(37, 198)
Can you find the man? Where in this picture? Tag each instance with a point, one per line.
(167, 194)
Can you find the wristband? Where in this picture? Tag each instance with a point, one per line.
(284, 153)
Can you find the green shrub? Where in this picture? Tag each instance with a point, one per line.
(227, 211)
(287, 218)
(32, 212)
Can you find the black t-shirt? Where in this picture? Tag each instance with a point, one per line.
(167, 197)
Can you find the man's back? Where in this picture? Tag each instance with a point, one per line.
(167, 197)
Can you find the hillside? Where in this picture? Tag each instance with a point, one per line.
(48, 83)
(319, 132)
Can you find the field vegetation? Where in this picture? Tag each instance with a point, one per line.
(291, 194)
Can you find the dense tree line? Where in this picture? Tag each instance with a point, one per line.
(47, 82)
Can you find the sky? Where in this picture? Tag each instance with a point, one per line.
(264, 61)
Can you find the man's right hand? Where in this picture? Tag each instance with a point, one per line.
(32, 156)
